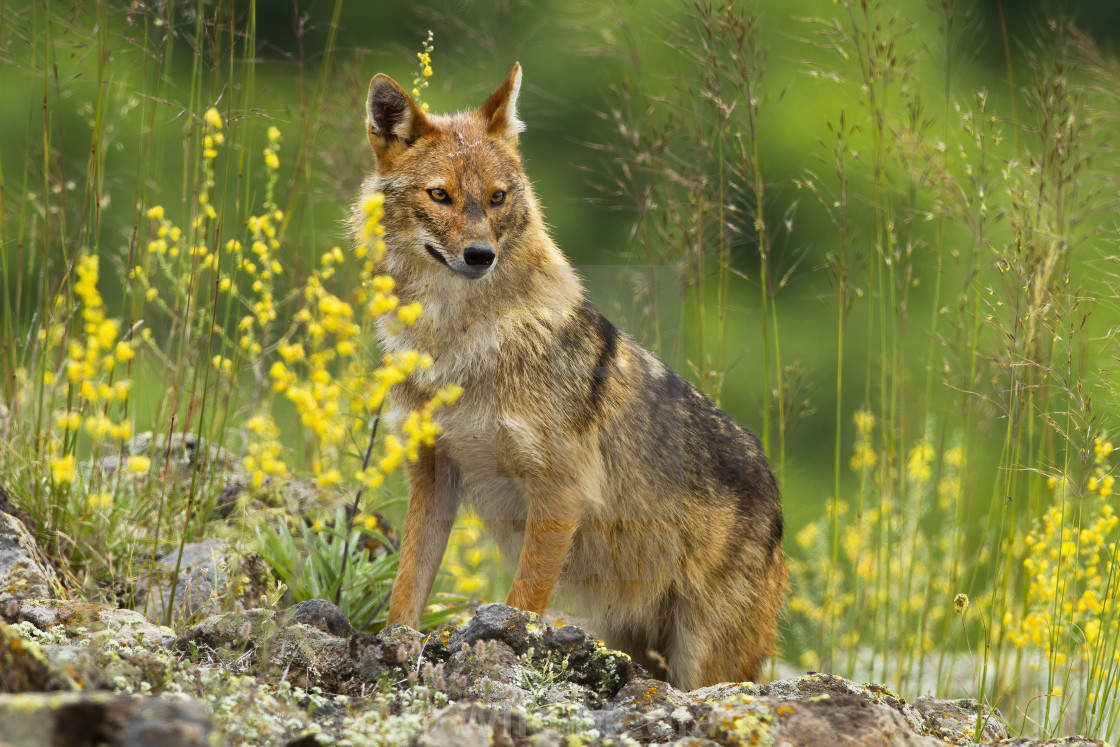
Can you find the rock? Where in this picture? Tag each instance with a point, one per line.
(42, 613)
(303, 655)
(815, 685)
(79, 719)
(212, 578)
(23, 666)
(833, 719)
(954, 721)
(1056, 742)
(90, 646)
(99, 623)
(8, 506)
(73, 668)
(488, 672)
(229, 631)
(24, 573)
(472, 724)
(497, 622)
(203, 577)
(298, 495)
(182, 451)
(321, 614)
(650, 710)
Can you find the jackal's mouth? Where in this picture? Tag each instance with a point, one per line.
(436, 253)
(459, 266)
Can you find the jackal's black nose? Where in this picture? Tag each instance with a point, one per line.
(478, 255)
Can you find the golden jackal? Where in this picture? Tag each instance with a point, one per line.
(591, 463)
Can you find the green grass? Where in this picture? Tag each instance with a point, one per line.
(898, 265)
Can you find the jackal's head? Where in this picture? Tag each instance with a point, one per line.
(456, 196)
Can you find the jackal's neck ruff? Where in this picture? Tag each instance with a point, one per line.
(592, 464)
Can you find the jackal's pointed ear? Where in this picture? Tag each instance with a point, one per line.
(392, 117)
(500, 110)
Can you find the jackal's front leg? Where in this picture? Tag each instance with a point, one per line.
(548, 533)
(432, 503)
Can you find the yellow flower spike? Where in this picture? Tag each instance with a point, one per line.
(273, 134)
(139, 464)
(155, 212)
(409, 314)
(328, 478)
(213, 118)
(452, 393)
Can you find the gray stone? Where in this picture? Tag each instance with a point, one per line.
(1074, 741)
(321, 614)
(472, 724)
(23, 665)
(99, 623)
(834, 719)
(182, 451)
(498, 622)
(78, 719)
(42, 613)
(24, 573)
(203, 578)
(954, 721)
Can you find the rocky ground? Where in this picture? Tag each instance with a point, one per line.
(73, 673)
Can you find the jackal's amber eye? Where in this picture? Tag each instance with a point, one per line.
(498, 198)
(439, 195)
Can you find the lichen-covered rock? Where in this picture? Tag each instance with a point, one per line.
(472, 724)
(24, 573)
(78, 719)
(833, 719)
(42, 613)
(236, 631)
(23, 666)
(1074, 741)
(497, 622)
(650, 710)
(97, 623)
(182, 451)
(954, 721)
(816, 685)
(321, 614)
(488, 672)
